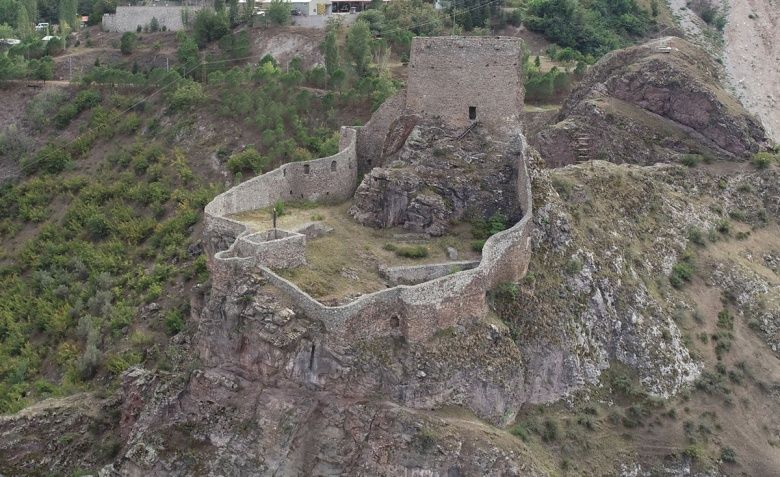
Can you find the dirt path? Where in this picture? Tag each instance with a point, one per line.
(752, 58)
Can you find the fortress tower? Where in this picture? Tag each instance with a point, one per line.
(463, 79)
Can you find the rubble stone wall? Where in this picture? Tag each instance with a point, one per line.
(416, 312)
(128, 18)
(330, 179)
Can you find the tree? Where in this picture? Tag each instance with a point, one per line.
(68, 14)
(6, 31)
(42, 69)
(233, 13)
(359, 46)
(209, 26)
(23, 24)
(154, 24)
(127, 42)
(32, 9)
(187, 54)
(219, 6)
(330, 50)
(279, 12)
(12, 67)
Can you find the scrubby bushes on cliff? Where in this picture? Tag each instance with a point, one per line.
(595, 27)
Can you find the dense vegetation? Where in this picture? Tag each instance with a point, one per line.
(100, 229)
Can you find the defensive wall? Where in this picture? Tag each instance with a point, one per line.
(413, 311)
(444, 81)
(128, 18)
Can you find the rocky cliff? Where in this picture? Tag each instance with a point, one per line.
(650, 103)
(435, 177)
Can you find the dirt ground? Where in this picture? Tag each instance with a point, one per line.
(752, 58)
(345, 263)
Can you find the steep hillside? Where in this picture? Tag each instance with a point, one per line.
(649, 103)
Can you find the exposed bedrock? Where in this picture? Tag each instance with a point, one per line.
(647, 104)
(435, 180)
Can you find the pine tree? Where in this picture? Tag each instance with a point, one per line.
(23, 25)
(358, 46)
(330, 50)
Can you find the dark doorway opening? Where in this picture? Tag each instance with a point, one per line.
(472, 112)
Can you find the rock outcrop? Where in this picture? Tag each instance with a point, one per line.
(433, 178)
(647, 104)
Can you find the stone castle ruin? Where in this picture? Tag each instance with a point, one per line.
(455, 85)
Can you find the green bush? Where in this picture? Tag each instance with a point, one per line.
(691, 160)
(762, 160)
(51, 158)
(682, 272)
(174, 322)
(411, 251)
(127, 42)
(248, 160)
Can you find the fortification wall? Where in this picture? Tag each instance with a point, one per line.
(129, 18)
(415, 274)
(417, 311)
(371, 137)
(448, 75)
(329, 179)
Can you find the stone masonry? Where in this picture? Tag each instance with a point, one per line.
(443, 80)
(462, 79)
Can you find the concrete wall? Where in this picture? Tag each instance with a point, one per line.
(449, 74)
(128, 18)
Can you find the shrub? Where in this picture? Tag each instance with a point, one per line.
(682, 272)
(691, 160)
(52, 159)
(762, 160)
(411, 251)
(520, 431)
(127, 42)
(248, 160)
(186, 95)
(550, 430)
(696, 236)
(174, 322)
(728, 455)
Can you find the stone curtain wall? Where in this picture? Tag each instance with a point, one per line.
(371, 137)
(329, 179)
(447, 75)
(417, 312)
(128, 18)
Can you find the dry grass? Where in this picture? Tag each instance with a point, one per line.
(345, 263)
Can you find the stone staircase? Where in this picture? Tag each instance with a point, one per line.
(582, 151)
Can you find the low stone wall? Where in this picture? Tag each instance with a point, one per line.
(416, 274)
(329, 179)
(274, 248)
(130, 17)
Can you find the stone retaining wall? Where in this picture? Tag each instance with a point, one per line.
(416, 274)
(130, 17)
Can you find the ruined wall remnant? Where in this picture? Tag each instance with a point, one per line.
(448, 76)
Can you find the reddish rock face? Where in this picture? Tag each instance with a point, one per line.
(643, 105)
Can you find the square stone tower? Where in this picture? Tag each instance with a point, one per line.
(463, 79)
